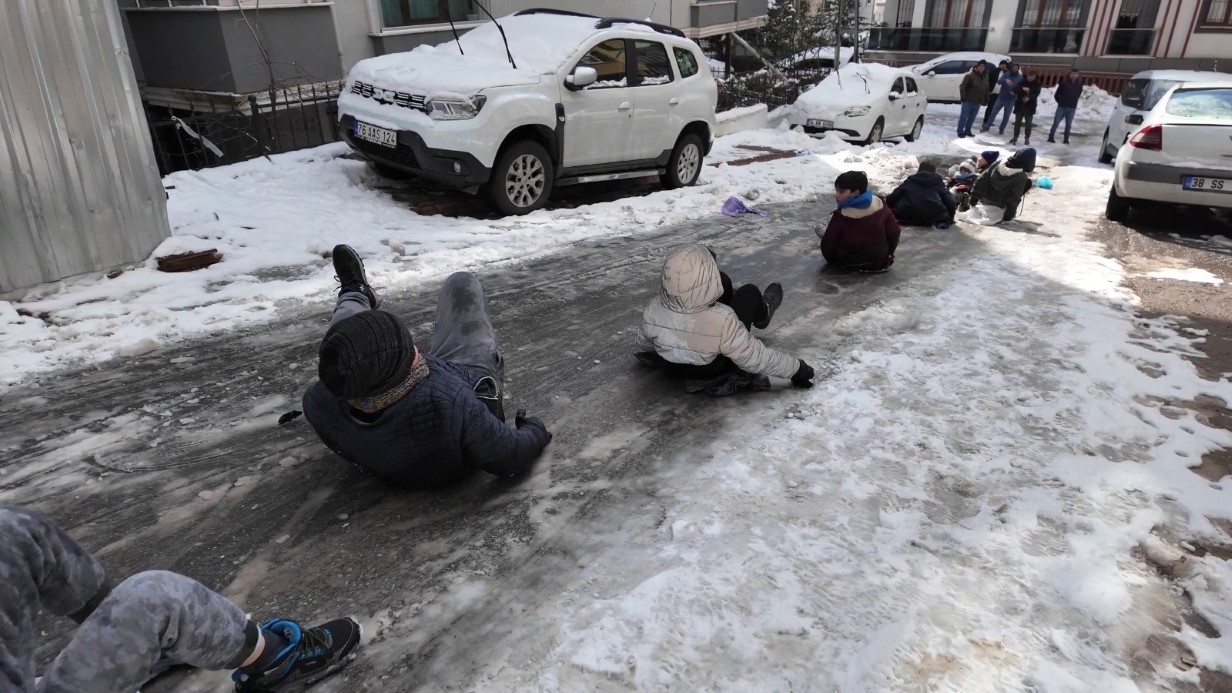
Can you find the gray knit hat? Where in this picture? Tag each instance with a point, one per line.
(365, 355)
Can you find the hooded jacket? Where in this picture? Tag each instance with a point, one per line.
(1026, 96)
(861, 237)
(922, 199)
(685, 324)
(973, 88)
(1002, 186)
(1007, 83)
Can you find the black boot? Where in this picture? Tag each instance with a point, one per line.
(773, 296)
(349, 271)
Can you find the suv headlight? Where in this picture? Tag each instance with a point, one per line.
(454, 107)
(856, 111)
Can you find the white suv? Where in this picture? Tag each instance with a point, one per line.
(534, 100)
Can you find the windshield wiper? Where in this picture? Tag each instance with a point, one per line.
(502, 33)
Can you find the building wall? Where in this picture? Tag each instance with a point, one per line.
(79, 191)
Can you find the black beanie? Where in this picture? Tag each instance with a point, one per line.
(365, 355)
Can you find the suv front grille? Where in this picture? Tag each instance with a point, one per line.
(397, 98)
(401, 154)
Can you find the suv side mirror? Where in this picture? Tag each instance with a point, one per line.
(581, 78)
(1134, 119)
(932, 73)
(895, 96)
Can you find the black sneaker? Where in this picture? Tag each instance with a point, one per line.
(312, 654)
(349, 271)
(773, 296)
(1051, 141)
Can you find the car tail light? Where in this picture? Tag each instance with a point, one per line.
(1150, 137)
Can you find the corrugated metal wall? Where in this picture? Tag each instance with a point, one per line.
(79, 190)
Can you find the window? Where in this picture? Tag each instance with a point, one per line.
(958, 13)
(1050, 26)
(409, 12)
(653, 67)
(898, 87)
(911, 88)
(952, 67)
(1143, 94)
(1208, 104)
(1218, 14)
(608, 59)
(686, 61)
(1135, 28)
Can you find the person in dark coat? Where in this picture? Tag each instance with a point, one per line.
(416, 418)
(973, 93)
(863, 233)
(922, 199)
(993, 87)
(1069, 91)
(1005, 184)
(1026, 96)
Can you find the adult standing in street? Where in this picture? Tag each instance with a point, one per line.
(1069, 90)
(1007, 83)
(1026, 97)
(993, 87)
(973, 93)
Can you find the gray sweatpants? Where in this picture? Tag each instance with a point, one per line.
(464, 332)
(147, 617)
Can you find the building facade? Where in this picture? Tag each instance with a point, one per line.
(1108, 36)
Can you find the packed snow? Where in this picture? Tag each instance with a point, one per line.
(1189, 274)
(958, 505)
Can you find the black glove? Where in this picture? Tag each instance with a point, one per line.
(521, 419)
(803, 377)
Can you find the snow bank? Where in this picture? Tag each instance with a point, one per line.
(1094, 104)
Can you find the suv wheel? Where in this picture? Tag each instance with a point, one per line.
(521, 179)
(1104, 157)
(685, 165)
(1118, 207)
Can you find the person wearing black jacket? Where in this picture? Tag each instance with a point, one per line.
(922, 199)
(1026, 97)
(410, 417)
(1069, 90)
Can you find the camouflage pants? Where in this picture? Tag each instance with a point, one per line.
(123, 633)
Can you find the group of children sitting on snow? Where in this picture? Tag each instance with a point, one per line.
(863, 232)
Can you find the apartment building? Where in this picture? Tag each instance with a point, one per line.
(1109, 36)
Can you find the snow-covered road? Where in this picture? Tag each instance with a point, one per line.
(989, 490)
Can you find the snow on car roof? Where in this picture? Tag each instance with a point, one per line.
(852, 85)
(1182, 75)
(994, 58)
(540, 44)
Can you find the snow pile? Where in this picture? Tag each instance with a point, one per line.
(540, 45)
(1094, 104)
(857, 84)
(1190, 274)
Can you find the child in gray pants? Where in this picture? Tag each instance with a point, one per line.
(156, 615)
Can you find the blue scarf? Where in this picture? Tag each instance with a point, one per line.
(862, 201)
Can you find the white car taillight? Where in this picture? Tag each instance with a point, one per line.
(1150, 138)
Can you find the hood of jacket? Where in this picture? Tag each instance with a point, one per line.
(858, 213)
(690, 281)
(927, 179)
(1002, 178)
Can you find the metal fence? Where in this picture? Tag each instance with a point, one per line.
(204, 130)
(763, 87)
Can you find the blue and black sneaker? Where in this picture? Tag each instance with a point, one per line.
(311, 654)
(349, 271)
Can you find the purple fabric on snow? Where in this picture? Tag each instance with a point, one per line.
(733, 207)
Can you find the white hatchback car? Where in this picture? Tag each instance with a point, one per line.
(939, 78)
(1182, 154)
(1138, 97)
(534, 100)
(862, 102)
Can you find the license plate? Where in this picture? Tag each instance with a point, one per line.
(381, 136)
(818, 123)
(1223, 185)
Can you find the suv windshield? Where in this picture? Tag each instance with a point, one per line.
(1208, 104)
(1143, 94)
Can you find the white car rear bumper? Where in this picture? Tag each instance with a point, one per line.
(1162, 183)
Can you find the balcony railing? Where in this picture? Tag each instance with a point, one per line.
(1131, 41)
(1047, 40)
(941, 40)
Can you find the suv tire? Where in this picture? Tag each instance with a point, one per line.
(521, 179)
(684, 166)
(1104, 157)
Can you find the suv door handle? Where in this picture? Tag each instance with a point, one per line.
(624, 106)
(673, 101)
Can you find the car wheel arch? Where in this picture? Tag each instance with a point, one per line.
(541, 134)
